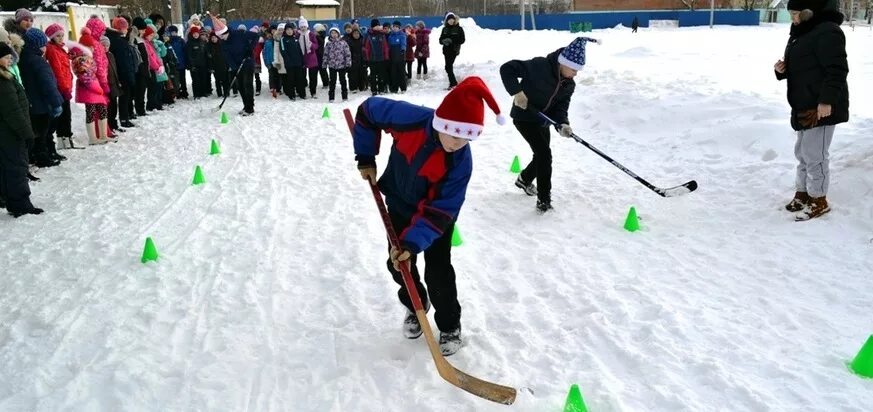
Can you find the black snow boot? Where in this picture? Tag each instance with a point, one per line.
(450, 342)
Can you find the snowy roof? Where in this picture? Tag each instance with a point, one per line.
(327, 3)
(776, 3)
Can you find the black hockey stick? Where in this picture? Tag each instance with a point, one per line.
(668, 192)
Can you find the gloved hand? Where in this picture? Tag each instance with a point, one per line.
(520, 100)
(398, 256)
(808, 118)
(277, 65)
(368, 172)
(160, 70)
(566, 130)
(67, 95)
(56, 112)
(446, 42)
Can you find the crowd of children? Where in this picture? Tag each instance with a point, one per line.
(131, 67)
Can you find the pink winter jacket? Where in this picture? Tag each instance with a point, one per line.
(310, 59)
(88, 90)
(155, 64)
(95, 28)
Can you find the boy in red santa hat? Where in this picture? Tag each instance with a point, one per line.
(425, 184)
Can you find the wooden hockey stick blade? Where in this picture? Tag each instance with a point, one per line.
(483, 389)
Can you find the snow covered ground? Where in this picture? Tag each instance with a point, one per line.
(271, 292)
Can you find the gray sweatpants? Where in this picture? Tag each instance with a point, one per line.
(811, 150)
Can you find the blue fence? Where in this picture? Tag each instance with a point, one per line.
(563, 21)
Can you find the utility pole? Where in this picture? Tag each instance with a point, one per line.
(353, 10)
(175, 12)
(711, 13)
(521, 8)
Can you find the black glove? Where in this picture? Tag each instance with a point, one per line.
(446, 42)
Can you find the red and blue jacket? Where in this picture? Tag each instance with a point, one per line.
(422, 181)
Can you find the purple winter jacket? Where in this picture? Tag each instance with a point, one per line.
(337, 54)
(310, 58)
(422, 42)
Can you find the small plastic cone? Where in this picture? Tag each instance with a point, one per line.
(575, 403)
(325, 114)
(198, 176)
(516, 165)
(224, 118)
(863, 363)
(214, 149)
(456, 237)
(150, 252)
(632, 223)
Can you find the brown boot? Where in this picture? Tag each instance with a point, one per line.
(816, 207)
(798, 203)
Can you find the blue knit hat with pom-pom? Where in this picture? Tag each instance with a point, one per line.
(573, 55)
(35, 38)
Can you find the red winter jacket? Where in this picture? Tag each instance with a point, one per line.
(410, 47)
(422, 40)
(60, 62)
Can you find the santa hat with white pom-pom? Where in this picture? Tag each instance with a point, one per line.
(462, 112)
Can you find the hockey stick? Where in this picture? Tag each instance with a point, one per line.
(235, 77)
(483, 389)
(668, 192)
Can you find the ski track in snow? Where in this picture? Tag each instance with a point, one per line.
(271, 292)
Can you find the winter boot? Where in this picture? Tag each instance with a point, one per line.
(450, 342)
(127, 124)
(411, 327)
(528, 188)
(418, 76)
(816, 207)
(544, 206)
(425, 76)
(31, 211)
(800, 200)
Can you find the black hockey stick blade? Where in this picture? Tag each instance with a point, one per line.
(678, 190)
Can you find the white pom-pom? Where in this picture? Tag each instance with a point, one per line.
(501, 120)
(599, 42)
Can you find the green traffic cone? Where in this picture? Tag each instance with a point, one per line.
(516, 166)
(198, 176)
(325, 114)
(575, 403)
(863, 363)
(214, 150)
(224, 119)
(150, 252)
(632, 223)
(456, 237)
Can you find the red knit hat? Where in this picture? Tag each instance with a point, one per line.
(194, 29)
(462, 113)
(53, 30)
(148, 32)
(120, 24)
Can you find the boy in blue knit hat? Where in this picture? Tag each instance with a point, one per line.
(542, 84)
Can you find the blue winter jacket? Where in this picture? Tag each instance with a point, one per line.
(238, 48)
(178, 44)
(422, 181)
(38, 81)
(268, 53)
(291, 53)
(397, 46)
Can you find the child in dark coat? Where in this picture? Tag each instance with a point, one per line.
(292, 56)
(425, 184)
(376, 57)
(358, 71)
(422, 48)
(218, 65)
(410, 50)
(397, 51)
(197, 63)
(15, 133)
(46, 102)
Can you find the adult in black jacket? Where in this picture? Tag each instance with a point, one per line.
(451, 38)
(546, 85)
(816, 68)
(198, 63)
(45, 100)
(15, 132)
(125, 62)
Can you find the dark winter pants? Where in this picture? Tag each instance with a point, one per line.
(439, 275)
(540, 167)
(124, 102)
(63, 124)
(142, 83)
(422, 63)
(258, 80)
(200, 82)
(450, 69)
(342, 79)
(398, 77)
(43, 143)
(408, 70)
(358, 77)
(112, 112)
(378, 76)
(14, 186)
(156, 94)
(313, 80)
(222, 83)
(182, 83)
(325, 76)
(273, 79)
(246, 89)
(295, 81)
